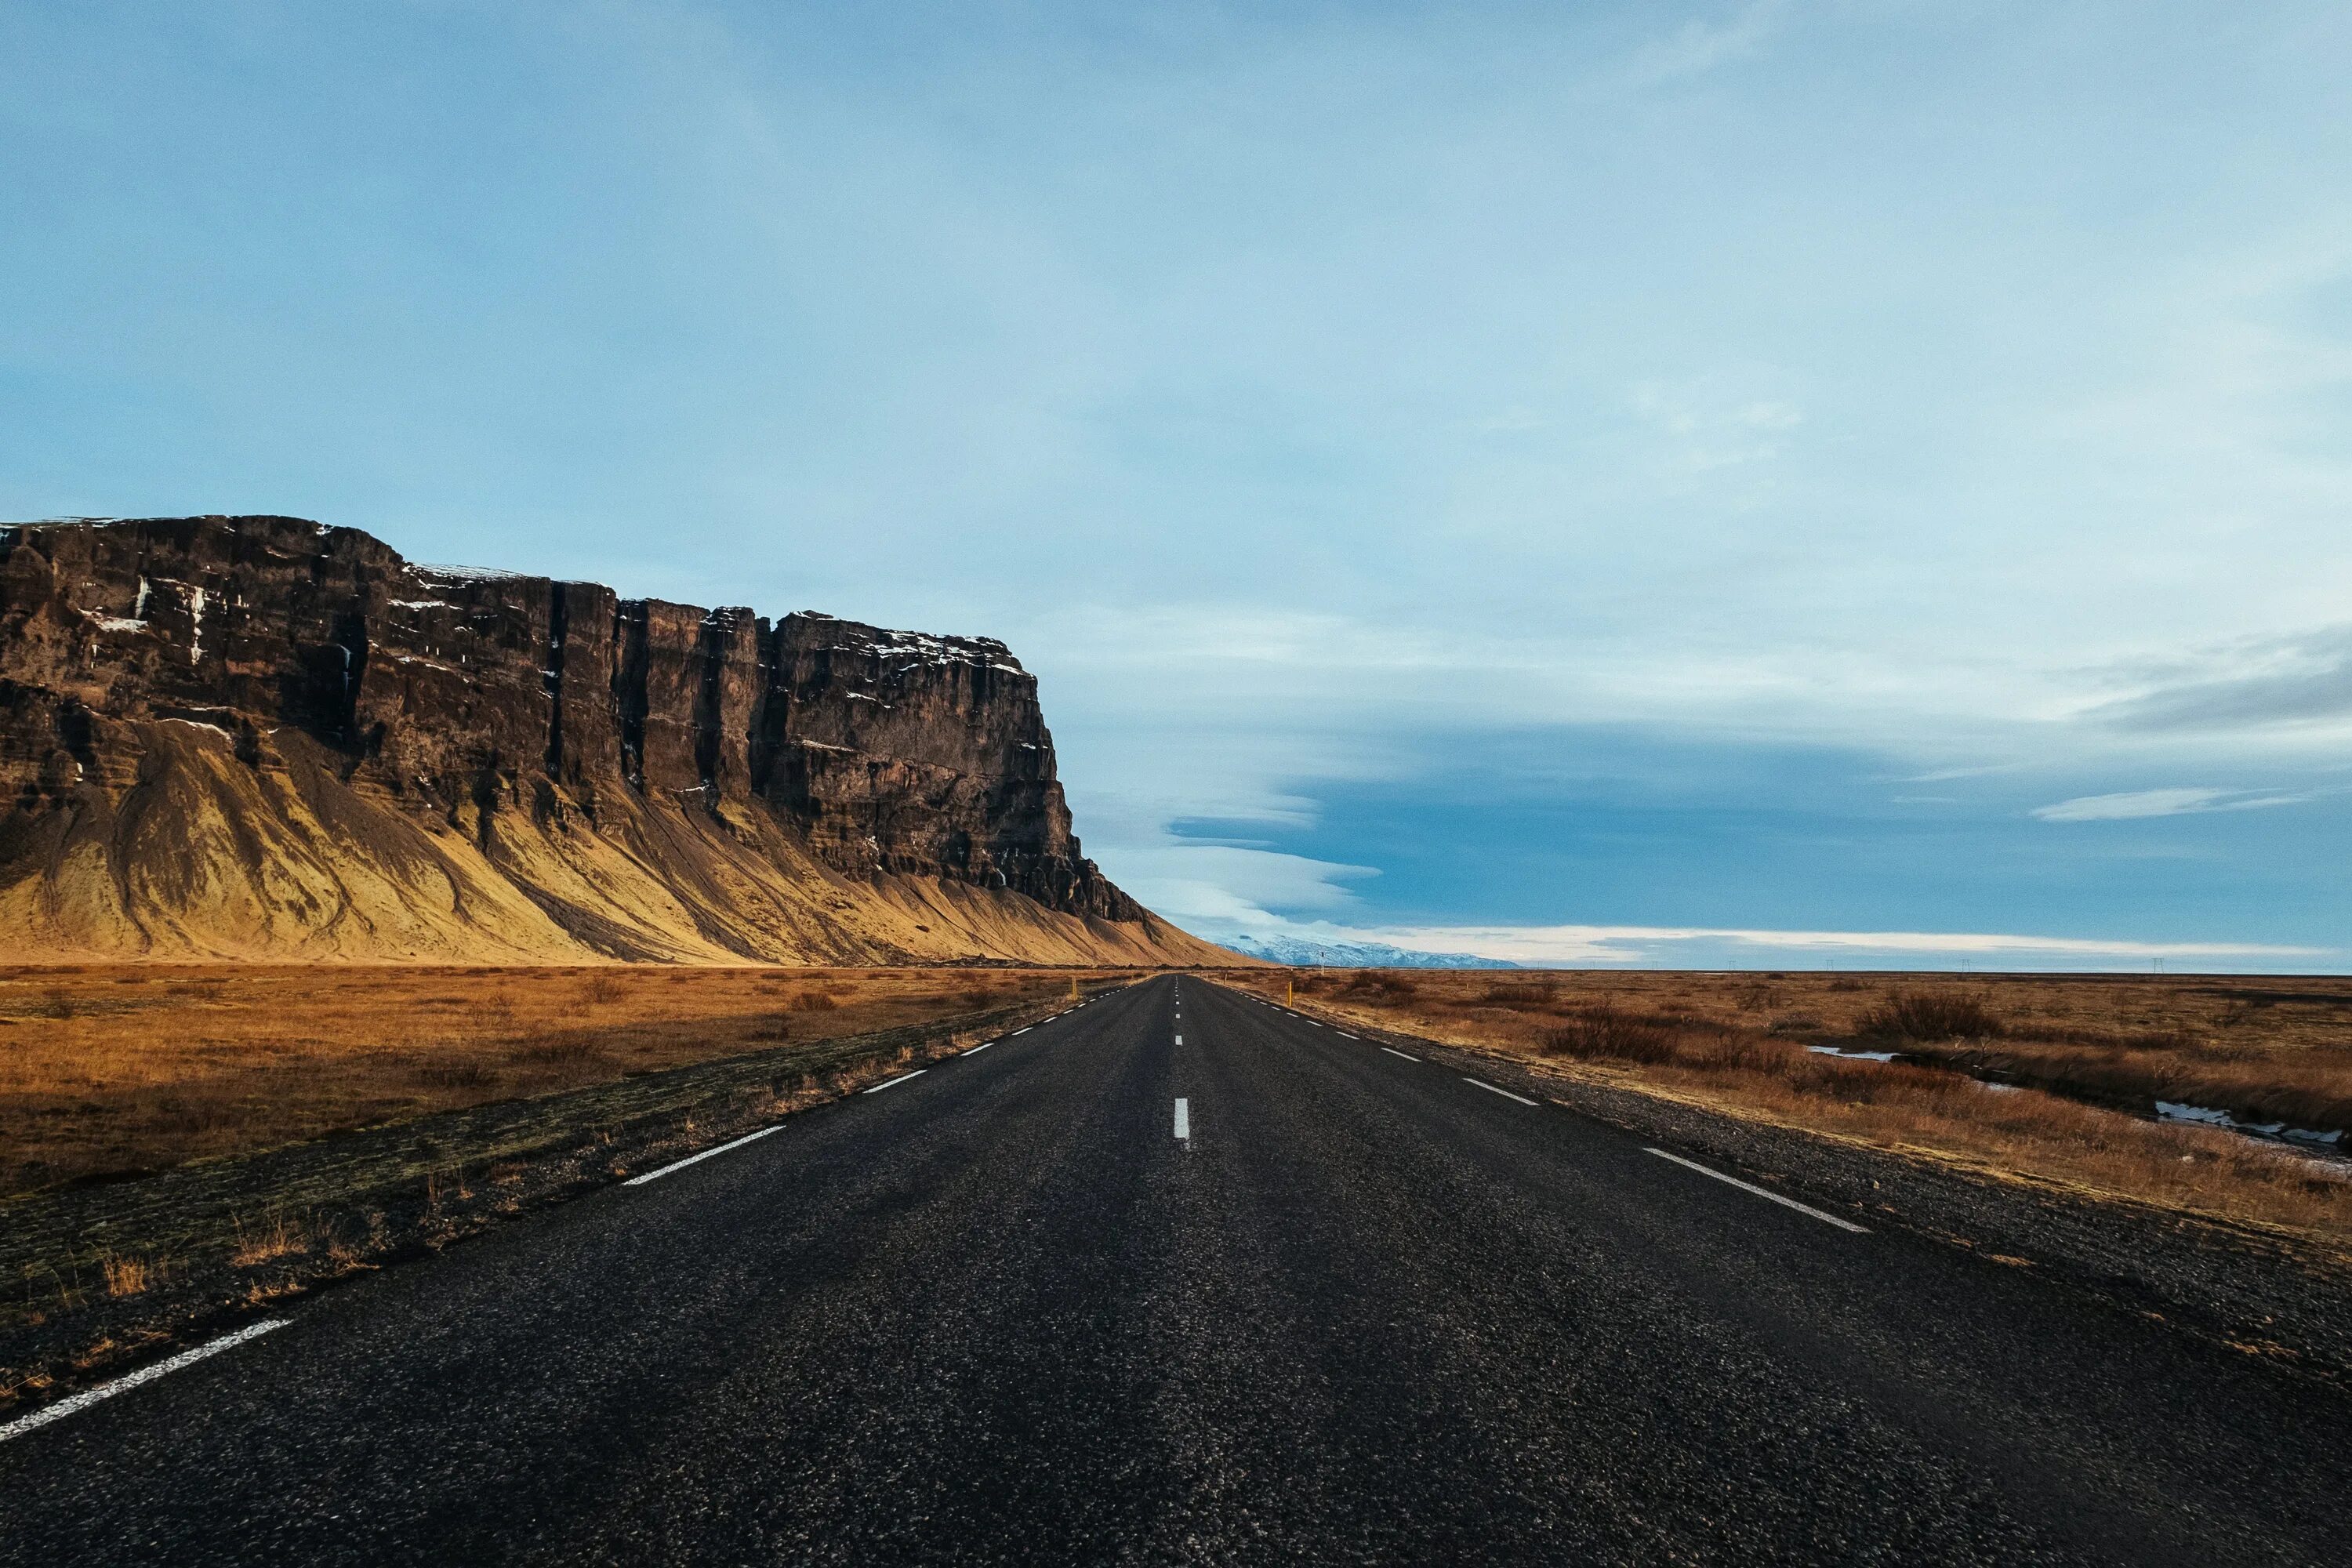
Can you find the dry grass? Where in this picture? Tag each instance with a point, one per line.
(282, 1235)
(114, 1070)
(128, 1276)
(2262, 1050)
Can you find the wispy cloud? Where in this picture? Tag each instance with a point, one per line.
(2301, 680)
(2141, 803)
(1651, 945)
(1230, 887)
(1715, 423)
(1699, 46)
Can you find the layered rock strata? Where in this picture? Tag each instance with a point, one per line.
(264, 736)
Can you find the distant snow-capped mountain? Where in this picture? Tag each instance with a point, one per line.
(1352, 954)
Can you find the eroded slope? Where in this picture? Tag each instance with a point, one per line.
(263, 738)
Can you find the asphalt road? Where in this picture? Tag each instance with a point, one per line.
(1366, 1311)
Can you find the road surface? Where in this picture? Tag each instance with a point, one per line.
(1362, 1309)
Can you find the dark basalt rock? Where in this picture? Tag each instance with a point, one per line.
(460, 694)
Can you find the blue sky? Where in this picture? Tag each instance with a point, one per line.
(1762, 483)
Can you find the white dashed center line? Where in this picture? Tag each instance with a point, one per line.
(1345, 1036)
(1180, 1039)
(1489, 1088)
(896, 1081)
(1184, 1121)
(1408, 1059)
(1763, 1193)
(691, 1158)
(88, 1397)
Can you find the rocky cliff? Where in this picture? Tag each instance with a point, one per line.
(265, 737)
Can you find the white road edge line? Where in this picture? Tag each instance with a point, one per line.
(1490, 1088)
(1023, 1030)
(1761, 1192)
(1345, 1036)
(692, 1159)
(88, 1397)
(895, 1081)
(980, 1047)
(1183, 1119)
(1396, 1053)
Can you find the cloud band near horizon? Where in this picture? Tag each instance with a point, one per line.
(1639, 945)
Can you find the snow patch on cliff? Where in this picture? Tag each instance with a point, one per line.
(197, 599)
(466, 573)
(113, 622)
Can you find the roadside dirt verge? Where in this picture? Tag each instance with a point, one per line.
(107, 1276)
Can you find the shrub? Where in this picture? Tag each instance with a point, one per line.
(1606, 1032)
(1380, 986)
(1738, 1051)
(1931, 1015)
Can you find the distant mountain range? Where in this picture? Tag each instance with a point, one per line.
(1303, 954)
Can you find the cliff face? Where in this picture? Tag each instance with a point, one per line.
(262, 735)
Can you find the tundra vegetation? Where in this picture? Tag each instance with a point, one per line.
(109, 1071)
(2080, 1061)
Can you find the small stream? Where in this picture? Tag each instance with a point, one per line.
(2278, 1131)
(2325, 1146)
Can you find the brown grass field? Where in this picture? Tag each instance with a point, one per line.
(110, 1070)
(2263, 1049)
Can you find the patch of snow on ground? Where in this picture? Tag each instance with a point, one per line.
(2175, 1110)
(1854, 1056)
